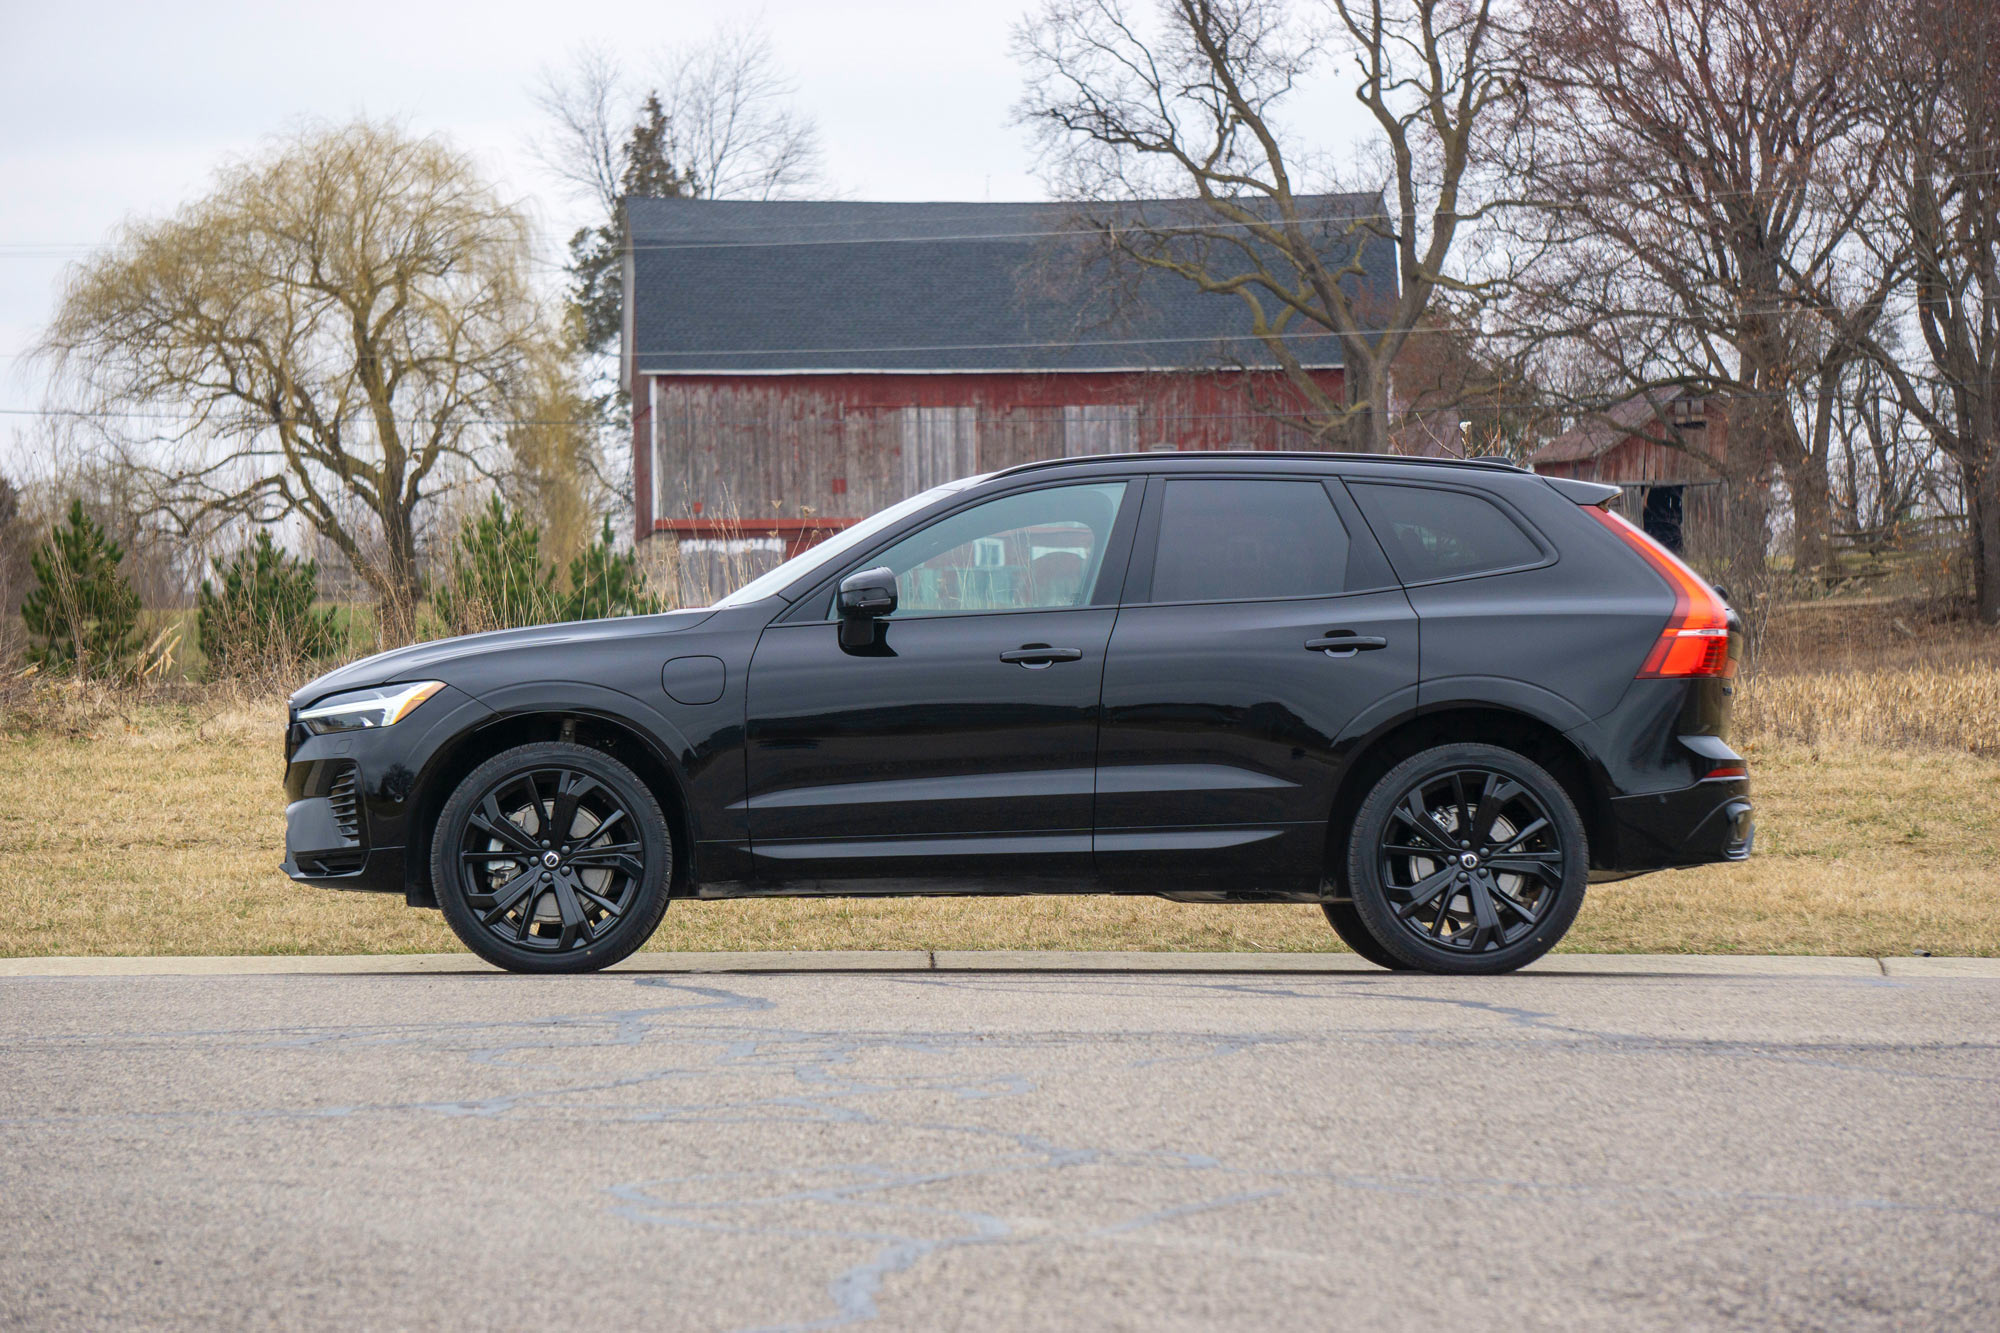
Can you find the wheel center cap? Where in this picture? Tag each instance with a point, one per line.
(1468, 859)
(551, 860)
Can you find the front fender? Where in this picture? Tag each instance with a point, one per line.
(687, 754)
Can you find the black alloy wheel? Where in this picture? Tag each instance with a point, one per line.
(552, 858)
(1467, 858)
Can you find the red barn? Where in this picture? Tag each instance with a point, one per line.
(1672, 492)
(794, 366)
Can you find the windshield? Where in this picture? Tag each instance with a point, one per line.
(810, 560)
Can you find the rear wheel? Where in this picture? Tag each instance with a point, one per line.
(1467, 858)
(552, 858)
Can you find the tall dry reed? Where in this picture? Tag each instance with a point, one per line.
(1924, 707)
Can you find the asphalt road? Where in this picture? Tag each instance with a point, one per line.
(1000, 1150)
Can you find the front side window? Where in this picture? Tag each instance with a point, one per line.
(827, 552)
(1433, 534)
(1034, 550)
(1247, 540)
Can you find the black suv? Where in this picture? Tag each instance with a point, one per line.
(1434, 697)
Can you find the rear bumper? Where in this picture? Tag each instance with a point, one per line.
(1710, 821)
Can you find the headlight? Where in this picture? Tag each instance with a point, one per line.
(355, 710)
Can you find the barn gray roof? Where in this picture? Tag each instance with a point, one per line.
(729, 287)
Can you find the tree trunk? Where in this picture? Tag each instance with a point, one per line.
(1982, 495)
(1745, 531)
(1368, 426)
(1746, 460)
(396, 581)
(1811, 513)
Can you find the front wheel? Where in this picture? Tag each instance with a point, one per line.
(1467, 858)
(552, 857)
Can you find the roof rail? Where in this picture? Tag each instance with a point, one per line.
(1316, 455)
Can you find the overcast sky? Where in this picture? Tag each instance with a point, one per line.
(110, 111)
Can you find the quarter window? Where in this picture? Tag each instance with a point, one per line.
(1245, 540)
(1433, 534)
(1034, 550)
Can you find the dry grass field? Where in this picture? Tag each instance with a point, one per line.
(156, 827)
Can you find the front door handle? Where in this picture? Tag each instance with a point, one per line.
(1038, 656)
(1346, 645)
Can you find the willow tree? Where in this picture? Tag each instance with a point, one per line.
(336, 328)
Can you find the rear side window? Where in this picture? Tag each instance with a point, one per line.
(1432, 534)
(1243, 540)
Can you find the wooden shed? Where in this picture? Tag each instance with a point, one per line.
(1669, 491)
(795, 366)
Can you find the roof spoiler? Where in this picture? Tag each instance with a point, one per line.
(1584, 492)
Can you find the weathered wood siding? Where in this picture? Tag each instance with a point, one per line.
(835, 447)
(1641, 461)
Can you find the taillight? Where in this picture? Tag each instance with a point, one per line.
(1696, 639)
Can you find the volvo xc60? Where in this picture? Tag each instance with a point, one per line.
(1435, 698)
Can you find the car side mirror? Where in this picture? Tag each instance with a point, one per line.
(868, 594)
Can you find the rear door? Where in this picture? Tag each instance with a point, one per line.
(1261, 623)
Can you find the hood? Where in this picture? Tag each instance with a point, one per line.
(437, 659)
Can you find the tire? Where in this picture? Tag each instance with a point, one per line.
(528, 898)
(1440, 898)
(1347, 924)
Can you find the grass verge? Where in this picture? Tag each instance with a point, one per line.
(160, 833)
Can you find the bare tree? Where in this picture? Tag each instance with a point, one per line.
(588, 115)
(714, 120)
(336, 325)
(1933, 78)
(1703, 175)
(1192, 102)
(1884, 469)
(730, 123)
(731, 119)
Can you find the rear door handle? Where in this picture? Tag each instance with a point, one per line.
(1037, 656)
(1346, 645)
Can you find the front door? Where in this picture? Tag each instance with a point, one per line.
(1261, 630)
(961, 742)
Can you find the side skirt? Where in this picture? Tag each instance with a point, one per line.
(985, 887)
(955, 887)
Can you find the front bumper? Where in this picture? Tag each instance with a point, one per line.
(349, 795)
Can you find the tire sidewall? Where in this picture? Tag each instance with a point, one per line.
(639, 920)
(1354, 933)
(1371, 900)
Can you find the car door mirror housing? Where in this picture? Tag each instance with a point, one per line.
(868, 594)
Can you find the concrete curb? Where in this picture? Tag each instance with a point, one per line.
(1941, 967)
(1002, 960)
